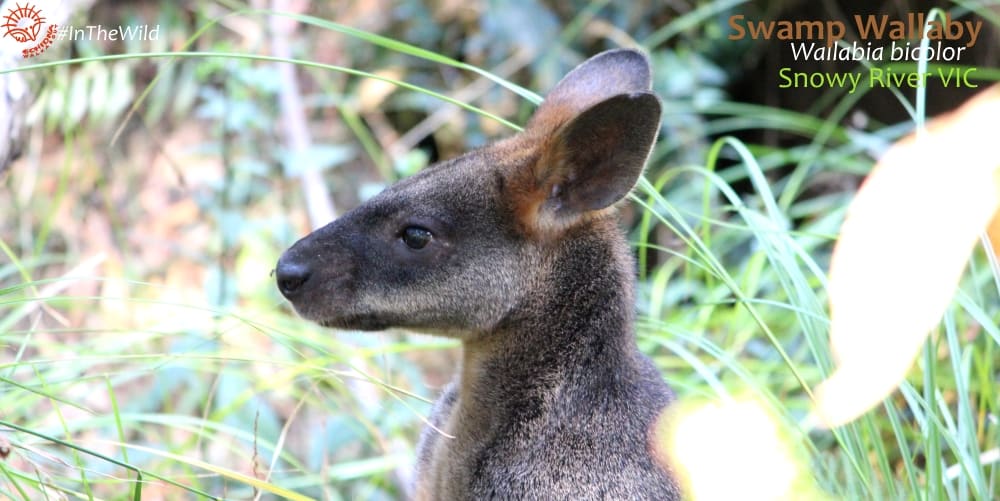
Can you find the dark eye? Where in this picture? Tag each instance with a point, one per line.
(416, 237)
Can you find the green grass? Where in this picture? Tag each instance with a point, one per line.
(135, 376)
(758, 325)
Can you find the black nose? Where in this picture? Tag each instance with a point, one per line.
(291, 276)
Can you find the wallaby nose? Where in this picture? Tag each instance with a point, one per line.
(290, 277)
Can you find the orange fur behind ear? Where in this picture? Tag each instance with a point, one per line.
(526, 193)
(531, 186)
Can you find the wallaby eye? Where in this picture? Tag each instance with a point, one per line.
(416, 237)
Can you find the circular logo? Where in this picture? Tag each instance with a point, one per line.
(23, 23)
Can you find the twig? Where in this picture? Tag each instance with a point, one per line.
(297, 138)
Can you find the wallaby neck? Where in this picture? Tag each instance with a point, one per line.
(578, 328)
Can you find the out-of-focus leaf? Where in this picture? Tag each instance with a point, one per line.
(528, 25)
(161, 95)
(122, 90)
(738, 441)
(411, 163)
(902, 250)
(99, 92)
(369, 190)
(373, 92)
(185, 92)
(318, 156)
(79, 100)
(993, 230)
(55, 105)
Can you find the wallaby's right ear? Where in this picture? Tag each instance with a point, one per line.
(593, 134)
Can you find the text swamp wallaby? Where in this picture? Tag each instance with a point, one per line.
(515, 250)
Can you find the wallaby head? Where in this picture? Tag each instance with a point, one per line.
(514, 249)
(457, 248)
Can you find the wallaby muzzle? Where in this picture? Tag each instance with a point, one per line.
(318, 270)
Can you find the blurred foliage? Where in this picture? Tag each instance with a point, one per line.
(139, 323)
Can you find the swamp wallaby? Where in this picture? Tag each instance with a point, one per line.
(514, 249)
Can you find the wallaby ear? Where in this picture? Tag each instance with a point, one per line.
(608, 74)
(590, 162)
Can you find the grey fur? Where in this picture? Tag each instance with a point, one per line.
(528, 268)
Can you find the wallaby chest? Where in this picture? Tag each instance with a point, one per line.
(586, 436)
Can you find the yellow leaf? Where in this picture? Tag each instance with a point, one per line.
(902, 250)
(372, 92)
(734, 440)
(993, 230)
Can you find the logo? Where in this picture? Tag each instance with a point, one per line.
(24, 24)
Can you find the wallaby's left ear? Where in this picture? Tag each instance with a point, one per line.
(592, 161)
(608, 74)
